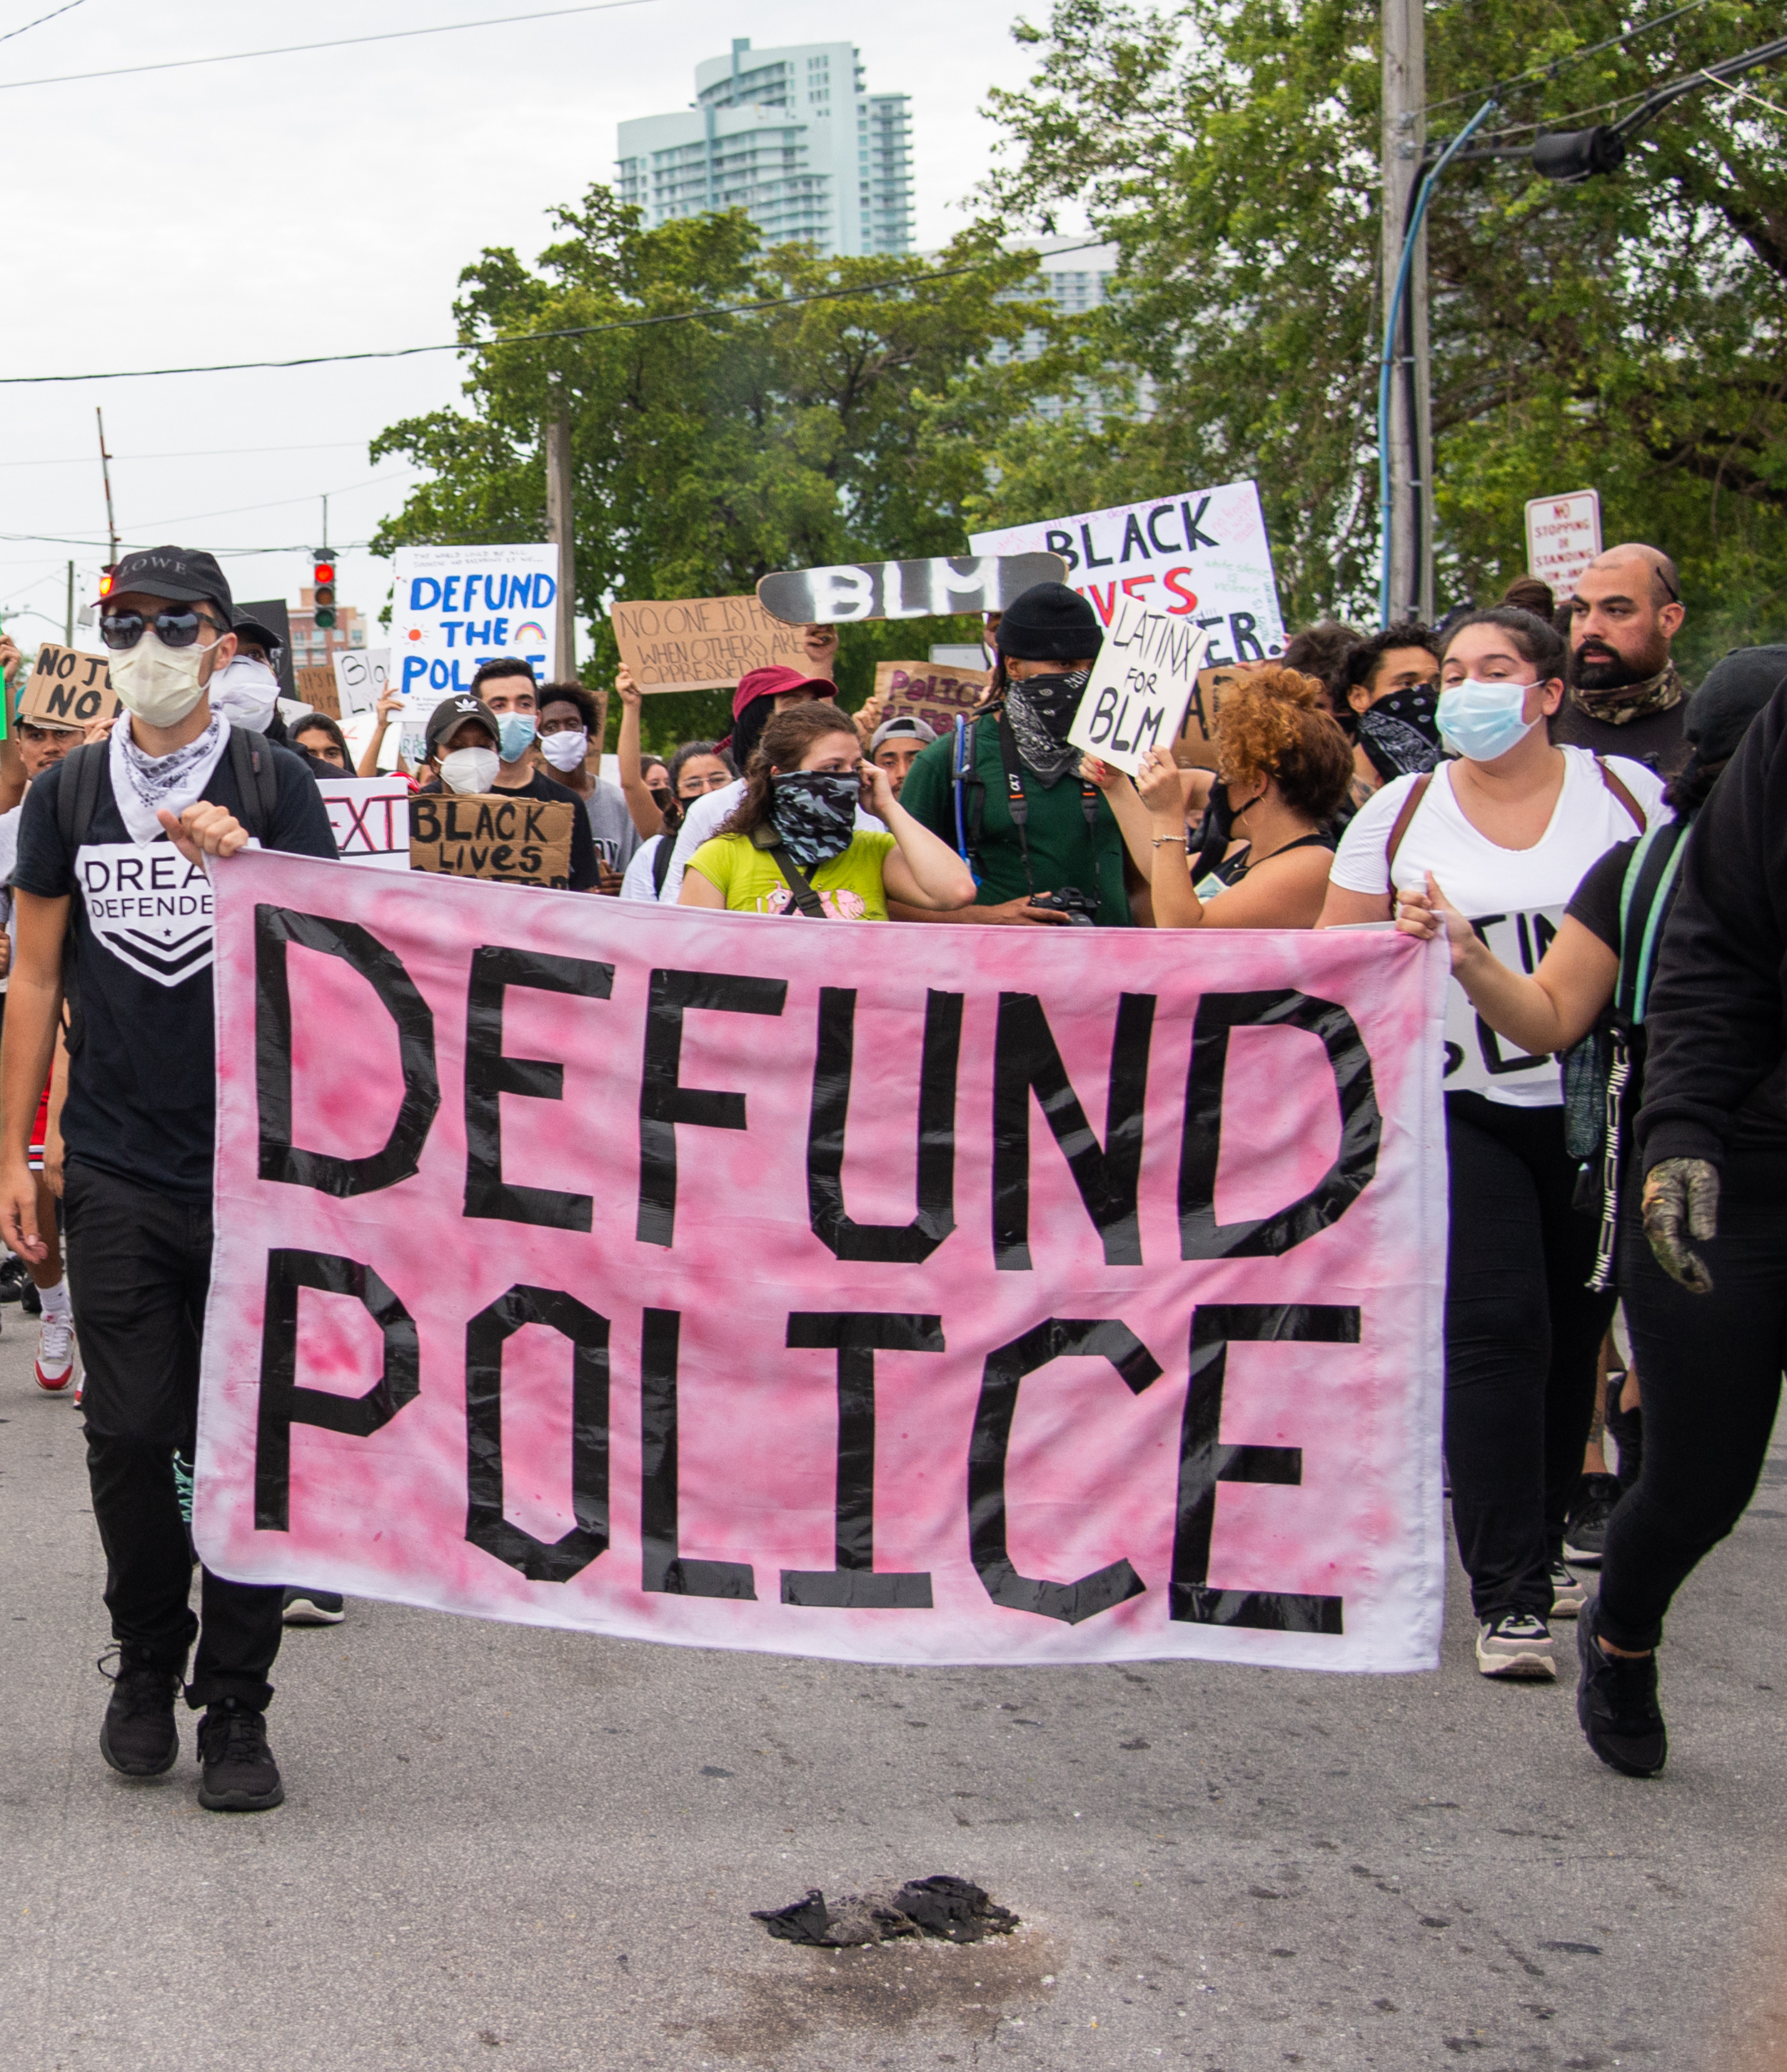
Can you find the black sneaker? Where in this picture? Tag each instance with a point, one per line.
(313, 1608)
(240, 1775)
(138, 1737)
(1616, 1704)
(1585, 1529)
(15, 1277)
(28, 1300)
(1628, 1430)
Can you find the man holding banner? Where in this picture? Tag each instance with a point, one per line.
(113, 855)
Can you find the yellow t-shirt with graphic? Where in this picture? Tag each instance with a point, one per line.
(849, 884)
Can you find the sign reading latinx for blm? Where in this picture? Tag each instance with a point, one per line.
(899, 1294)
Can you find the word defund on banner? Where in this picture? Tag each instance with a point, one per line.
(702, 644)
(1202, 557)
(1142, 686)
(454, 608)
(773, 1289)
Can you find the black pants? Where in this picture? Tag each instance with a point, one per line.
(139, 1266)
(1522, 1333)
(1710, 1366)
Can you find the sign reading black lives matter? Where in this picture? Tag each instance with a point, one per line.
(905, 589)
(67, 688)
(492, 834)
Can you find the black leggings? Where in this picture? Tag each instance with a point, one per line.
(1522, 1333)
(1710, 1366)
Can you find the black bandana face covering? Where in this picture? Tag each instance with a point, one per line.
(1401, 733)
(1042, 709)
(814, 812)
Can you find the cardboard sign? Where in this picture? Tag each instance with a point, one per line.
(935, 696)
(370, 816)
(702, 644)
(1477, 1058)
(453, 608)
(1196, 748)
(361, 676)
(937, 588)
(1142, 685)
(1564, 536)
(316, 688)
(1203, 557)
(492, 834)
(67, 688)
(569, 1271)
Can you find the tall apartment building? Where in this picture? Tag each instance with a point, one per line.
(791, 137)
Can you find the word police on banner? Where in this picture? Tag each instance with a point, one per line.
(492, 834)
(773, 1287)
(1144, 680)
(1203, 557)
(923, 690)
(67, 688)
(1564, 536)
(905, 589)
(370, 816)
(453, 608)
(702, 644)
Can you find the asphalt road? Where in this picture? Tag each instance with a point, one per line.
(509, 1848)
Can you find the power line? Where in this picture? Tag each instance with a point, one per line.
(333, 43)
(41, 20)
(1554, 66)
(539, 337)
(196, 453)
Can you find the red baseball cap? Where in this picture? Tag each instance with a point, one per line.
(771, 682)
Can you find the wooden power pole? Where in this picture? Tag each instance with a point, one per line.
(1410, 431)
(559, 526)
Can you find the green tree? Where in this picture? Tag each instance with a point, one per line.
(709, 453)
(1625, 333)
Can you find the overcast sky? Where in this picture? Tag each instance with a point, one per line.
(326, 203)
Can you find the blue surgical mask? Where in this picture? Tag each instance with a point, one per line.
(515, 734)
(1482, 721)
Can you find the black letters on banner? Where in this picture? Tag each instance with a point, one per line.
(540, 1560)
(664, 1101)
(1205, 1461)
(1201, 1236)
(858, 1335)
(490, 1075)
(283, 1404)
(1055, 1338)
(1026, 1058)
(902, 1244)
(275, 926)
(662, 1565)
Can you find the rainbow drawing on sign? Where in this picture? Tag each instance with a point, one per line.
(530, 630)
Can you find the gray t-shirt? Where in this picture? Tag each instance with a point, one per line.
(611, 826)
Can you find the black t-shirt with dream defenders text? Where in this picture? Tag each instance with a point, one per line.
(142, 1084)
(584, 873)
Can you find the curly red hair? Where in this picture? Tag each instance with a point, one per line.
(1274, 722)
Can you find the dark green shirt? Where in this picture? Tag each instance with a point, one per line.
(1063, 850)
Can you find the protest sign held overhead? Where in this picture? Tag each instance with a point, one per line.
(905, 589)
(1564, 536)
(316, 688)
(1142, 684)
(572, 1274)
(67, 688)
(702, 644)
(937, 696)
(1202, 557)
(370, 819)
(454, 607)
(492, 834)
(361, 676)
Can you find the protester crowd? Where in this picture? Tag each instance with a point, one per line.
(1538, 756)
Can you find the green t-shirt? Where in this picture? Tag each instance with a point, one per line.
(849, 885)
(1063, 850)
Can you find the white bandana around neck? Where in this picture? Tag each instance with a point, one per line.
(146, 785)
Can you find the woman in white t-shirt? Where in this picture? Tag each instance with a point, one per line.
(1506, 833)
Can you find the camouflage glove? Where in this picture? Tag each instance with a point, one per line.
(1681, 1200)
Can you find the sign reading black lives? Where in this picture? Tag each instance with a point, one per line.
(490, 834)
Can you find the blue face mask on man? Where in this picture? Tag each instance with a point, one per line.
(1481, 720)
(515, 734)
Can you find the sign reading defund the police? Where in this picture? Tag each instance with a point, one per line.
(1203, 557)
(454, 608)
(899, 1294)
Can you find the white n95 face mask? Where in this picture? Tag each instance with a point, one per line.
(245, 692)
(159, 684)
(470, 770)
(565, 750)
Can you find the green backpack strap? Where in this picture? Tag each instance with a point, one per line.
(1645, 898)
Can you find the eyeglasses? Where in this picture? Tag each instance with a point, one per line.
(122, 629)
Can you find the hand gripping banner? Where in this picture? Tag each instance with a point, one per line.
(896, 1293)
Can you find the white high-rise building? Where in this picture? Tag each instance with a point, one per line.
(790, 136)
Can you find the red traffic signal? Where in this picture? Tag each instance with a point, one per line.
(106, 577)
(323, 576)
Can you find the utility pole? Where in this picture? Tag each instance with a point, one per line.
(1410, 585)
(68, 620)
(105, 469)
(560, 527)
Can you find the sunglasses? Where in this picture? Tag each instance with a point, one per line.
(122, 629)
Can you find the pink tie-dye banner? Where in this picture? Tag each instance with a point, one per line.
(895, 1293)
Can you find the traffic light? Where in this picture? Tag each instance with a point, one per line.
(322, 575)
(107, 576)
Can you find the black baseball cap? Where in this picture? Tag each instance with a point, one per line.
(183, 575)
(451, 714)
(258, 631)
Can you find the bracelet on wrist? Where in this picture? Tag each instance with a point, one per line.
(1161, 841)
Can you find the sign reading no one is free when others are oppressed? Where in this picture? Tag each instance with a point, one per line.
(454, 608)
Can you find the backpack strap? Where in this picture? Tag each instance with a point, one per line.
(1645, 898)
(806, 899)
(251, 762)
(77, 792)
(660, 861)
(1623, 796)
(1412, 805)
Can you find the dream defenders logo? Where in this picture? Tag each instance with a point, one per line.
(150, 907)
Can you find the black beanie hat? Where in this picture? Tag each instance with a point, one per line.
(1734, 690)
(1050, 623)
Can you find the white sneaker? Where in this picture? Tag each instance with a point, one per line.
(1516, 1644)
(1569, 1593)
(55, 1355)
